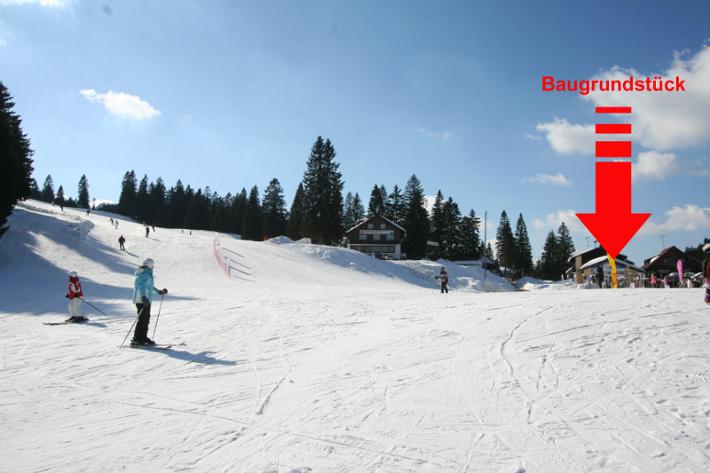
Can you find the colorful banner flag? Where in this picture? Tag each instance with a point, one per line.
(680, 270)
(612, 263)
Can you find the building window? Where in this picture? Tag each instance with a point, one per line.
(376, 249)
(370, 226)
(390, 237)
(375, 237)
(366, 249)
(382, 226)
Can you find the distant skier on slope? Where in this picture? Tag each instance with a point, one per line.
(74, 297)
(706, 272)
(444, 278)
(121, 242)
(142, 298)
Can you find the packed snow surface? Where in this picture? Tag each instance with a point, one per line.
(316, 359)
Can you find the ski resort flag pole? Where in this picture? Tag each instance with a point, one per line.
(612, 263)
(613, 224)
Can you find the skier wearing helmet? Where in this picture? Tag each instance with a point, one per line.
(142, 298)
(74, 297)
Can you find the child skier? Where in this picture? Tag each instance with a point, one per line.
(142, 298)
(444, 278)
(74, 297)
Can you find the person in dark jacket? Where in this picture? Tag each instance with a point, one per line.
(444, 278)
(144, 287)
(600, 276)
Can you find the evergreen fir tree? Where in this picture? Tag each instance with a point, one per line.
(416, 220)
(48, 190)
(273, 210)
(353, 211)
(35, 193)
(176, 206)
(15, 160)
(524, 248)
(348, 212)
(59, 198)
(437, 227)
(296, 214)
(198, 212)
(379, 201)
(452, 232)
(323, 187)
(471, 246)
(239, 205)
(252, 230)
(565, 249)
(82, 199)
(505, 244)
(548, 260)
(156, 203)
(141, 203)
(395, 209)
(127, 199)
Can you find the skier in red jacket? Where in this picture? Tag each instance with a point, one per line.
(74, 297)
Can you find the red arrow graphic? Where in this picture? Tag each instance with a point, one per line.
(613, 224)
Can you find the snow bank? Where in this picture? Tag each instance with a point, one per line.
(532, 284)
(420, 272)
(279, 240)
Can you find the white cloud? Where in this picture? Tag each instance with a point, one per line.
(44, 3)
(123, 105)
(665, 120)
(2, 43)
(553, 221)
(558, 180)
(444, 136)
(653, 165)
(566, 138)
(689, 218)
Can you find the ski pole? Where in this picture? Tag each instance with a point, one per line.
(92, 306)
(157, 317)
(130, 329)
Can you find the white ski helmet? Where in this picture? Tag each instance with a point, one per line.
(148, 263)
(72, 274)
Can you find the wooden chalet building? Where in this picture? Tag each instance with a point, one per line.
(666, 262)
(377, 236)
(585, 262)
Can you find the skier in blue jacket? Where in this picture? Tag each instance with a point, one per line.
(142, 298)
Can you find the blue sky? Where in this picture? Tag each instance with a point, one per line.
(230, 94)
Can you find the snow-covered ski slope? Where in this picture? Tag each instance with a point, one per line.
(314, 359)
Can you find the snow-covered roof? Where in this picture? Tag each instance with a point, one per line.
(365, 220)
(602, 259)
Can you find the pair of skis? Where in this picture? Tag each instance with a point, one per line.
(153, 347)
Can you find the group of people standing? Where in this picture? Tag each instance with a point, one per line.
(143, 290)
